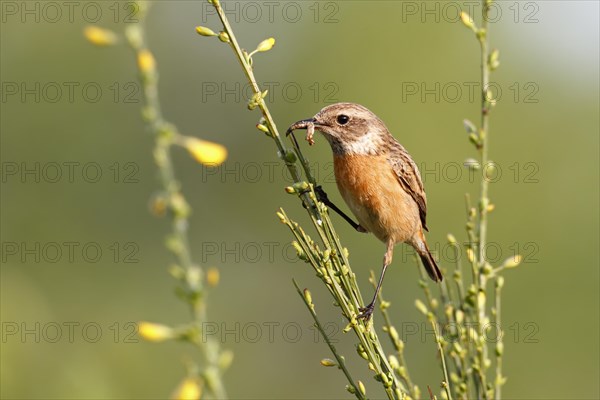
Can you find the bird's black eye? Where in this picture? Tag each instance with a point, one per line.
(343, 119)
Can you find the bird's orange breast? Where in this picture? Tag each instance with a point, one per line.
(371, 189)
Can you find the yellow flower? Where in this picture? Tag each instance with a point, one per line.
(154, 332)
(205, 152)
(188, 389)
(146, 62)
(212, 276)
(99, 36)
(266, 45)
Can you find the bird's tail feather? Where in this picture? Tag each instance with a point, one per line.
(430, 265)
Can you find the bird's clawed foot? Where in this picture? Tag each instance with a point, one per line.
(321, 195)
(367, 312)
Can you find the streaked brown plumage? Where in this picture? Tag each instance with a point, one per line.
(378, 180)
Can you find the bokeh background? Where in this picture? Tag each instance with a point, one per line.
(544, 137)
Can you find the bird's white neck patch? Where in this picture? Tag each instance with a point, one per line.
(367, 144)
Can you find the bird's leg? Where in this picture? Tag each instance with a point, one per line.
(367, 311)
(323, 198)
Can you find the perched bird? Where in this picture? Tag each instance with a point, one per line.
(378, 180)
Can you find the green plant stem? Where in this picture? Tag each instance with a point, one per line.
(396, 342)
(499, 378)
(484, 201)
(438, 339)
(485, 80)
(339, 358)
(323, 265)
(166, 136)
(433, 320)
(459, 279)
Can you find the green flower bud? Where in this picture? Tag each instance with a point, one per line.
(402, 371)
(263, 128)
(327, 362)
(300, 186)
(473, 138)
(299, 251)
(204, 31)
(458, 348)
(454, 377)
(472, 164)
(493, 60)
(176, 271)
(394, 334)
(361, 351)
(421, 307)
(308, 298)
(469, 126)
(500, 282)
(265, 45)
(289, 157)
(481, 299)
(224, 37)
(460, 316)
(499, 349)
(225, 359)
(487, 269)
(513, 262)
(470, 255)
(361, 387)
(451, 239)
(282, 217)
(467, 20)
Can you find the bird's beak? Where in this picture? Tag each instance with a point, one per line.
(302, 124)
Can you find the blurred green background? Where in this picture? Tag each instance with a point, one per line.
(66, 318)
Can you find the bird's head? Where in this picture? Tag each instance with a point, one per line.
(349, 128)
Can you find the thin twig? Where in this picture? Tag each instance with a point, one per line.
(340, 359)
(438, 339)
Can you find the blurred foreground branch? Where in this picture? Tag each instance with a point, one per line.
(170, 200)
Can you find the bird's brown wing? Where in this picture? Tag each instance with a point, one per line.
(409, 177)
